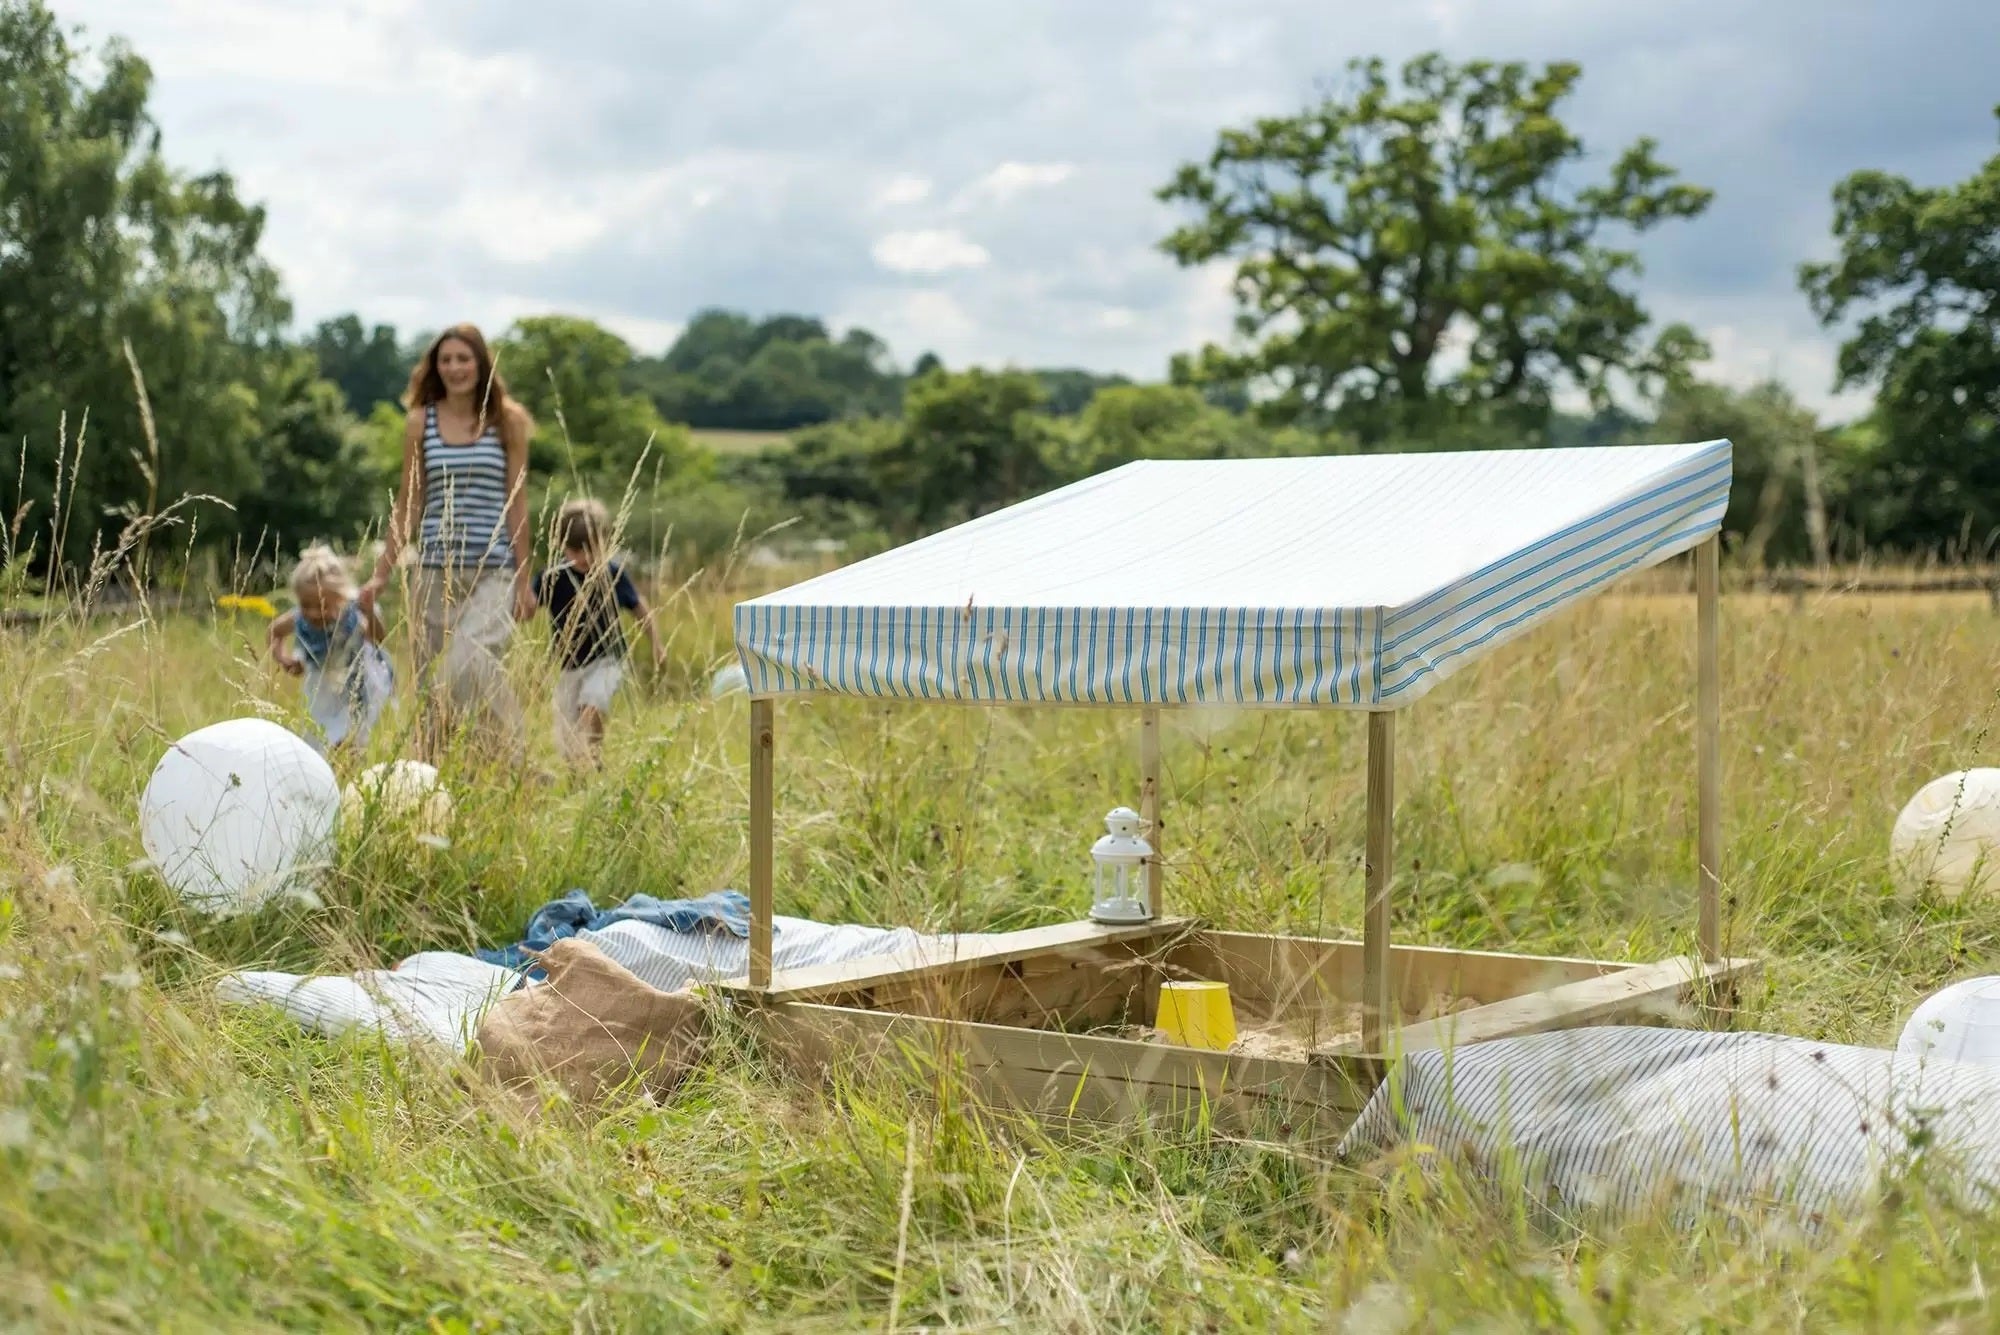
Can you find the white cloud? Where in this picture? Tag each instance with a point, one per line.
(928, 252)
(567, 218)
(353, 45)
(647, 337)
(425, 161)
(1009, 179)
(903, 189)
(935, 317)
(1208, 305)
(532, 232)
(919, 320)
(1804, 362)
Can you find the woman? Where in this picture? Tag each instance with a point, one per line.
(465, 466)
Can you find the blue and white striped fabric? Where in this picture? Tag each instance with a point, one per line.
(1625, 1121)
(1350, 581)
(465, 501)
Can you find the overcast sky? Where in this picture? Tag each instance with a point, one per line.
(977, 178)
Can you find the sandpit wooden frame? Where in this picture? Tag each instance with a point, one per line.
(1014, 1012)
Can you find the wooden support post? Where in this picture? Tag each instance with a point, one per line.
(1149, 803)
(762, 724)
(1708, 748)
(1378, 997)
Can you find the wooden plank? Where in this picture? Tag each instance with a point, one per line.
(1628, 991)
(1279, 972)
(1149, 804)
(1080, 989)
(763, 724)
(1378, 1001)
(950, 957)
(1084, 1076)
(1708, 749)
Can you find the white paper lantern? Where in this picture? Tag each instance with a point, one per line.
(1949, 834)
(237, 813)
(402, 791)
(1961, 1023)
(728, 681)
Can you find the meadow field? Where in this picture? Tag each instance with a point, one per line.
(726, 441)
(166, 1163)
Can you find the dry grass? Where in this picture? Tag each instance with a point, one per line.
(724, 441)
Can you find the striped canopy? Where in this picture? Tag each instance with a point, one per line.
(1348, 581)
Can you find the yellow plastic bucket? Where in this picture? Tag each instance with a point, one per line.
(1196, 1015)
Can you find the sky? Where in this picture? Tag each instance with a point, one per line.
(977, 179)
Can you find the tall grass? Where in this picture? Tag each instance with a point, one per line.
(168, 1163)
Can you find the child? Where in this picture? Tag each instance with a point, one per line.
(348, 676)
(584, 595)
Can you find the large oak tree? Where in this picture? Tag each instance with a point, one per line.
(1422, 248)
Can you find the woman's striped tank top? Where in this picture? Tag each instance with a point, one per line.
(465, 501)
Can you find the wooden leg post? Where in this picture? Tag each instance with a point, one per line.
(1708, 748)
(1149, 803)
(762, 723)
(1377, 999)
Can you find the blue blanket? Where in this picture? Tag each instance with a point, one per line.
(726, 910)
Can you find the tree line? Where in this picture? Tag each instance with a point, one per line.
(1421, 261)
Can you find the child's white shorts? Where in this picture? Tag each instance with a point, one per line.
(588, 687)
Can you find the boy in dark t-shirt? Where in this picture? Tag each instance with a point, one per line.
(584, 595)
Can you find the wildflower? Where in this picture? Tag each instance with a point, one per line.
(240, 602)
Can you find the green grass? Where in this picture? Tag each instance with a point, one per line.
(166, 1163)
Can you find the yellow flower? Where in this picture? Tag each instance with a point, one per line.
(237, 602)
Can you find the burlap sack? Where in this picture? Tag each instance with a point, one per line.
(590, 1026)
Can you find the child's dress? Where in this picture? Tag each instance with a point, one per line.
(348, 676)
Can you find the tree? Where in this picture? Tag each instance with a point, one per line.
(103, 247)
(790, 329)
(845, 463)
(319, 480)
(570, 373)
(1776, 506)
(1122, 423)
(972, 441)
(1610, 425)
(712, 335)
(1922, 267)
(369, 366)
(728, 372)
(1433, 211)
(1070, 390)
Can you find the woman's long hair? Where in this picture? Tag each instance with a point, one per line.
(489, 395)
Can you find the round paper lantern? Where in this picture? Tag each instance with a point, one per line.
(1949, 834)
(403, 791)
(1961, 1023)
(237, 813)
(728, 681)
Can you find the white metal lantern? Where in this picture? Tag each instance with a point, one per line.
(1119, 892)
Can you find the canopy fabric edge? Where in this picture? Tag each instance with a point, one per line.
(1365, 658)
